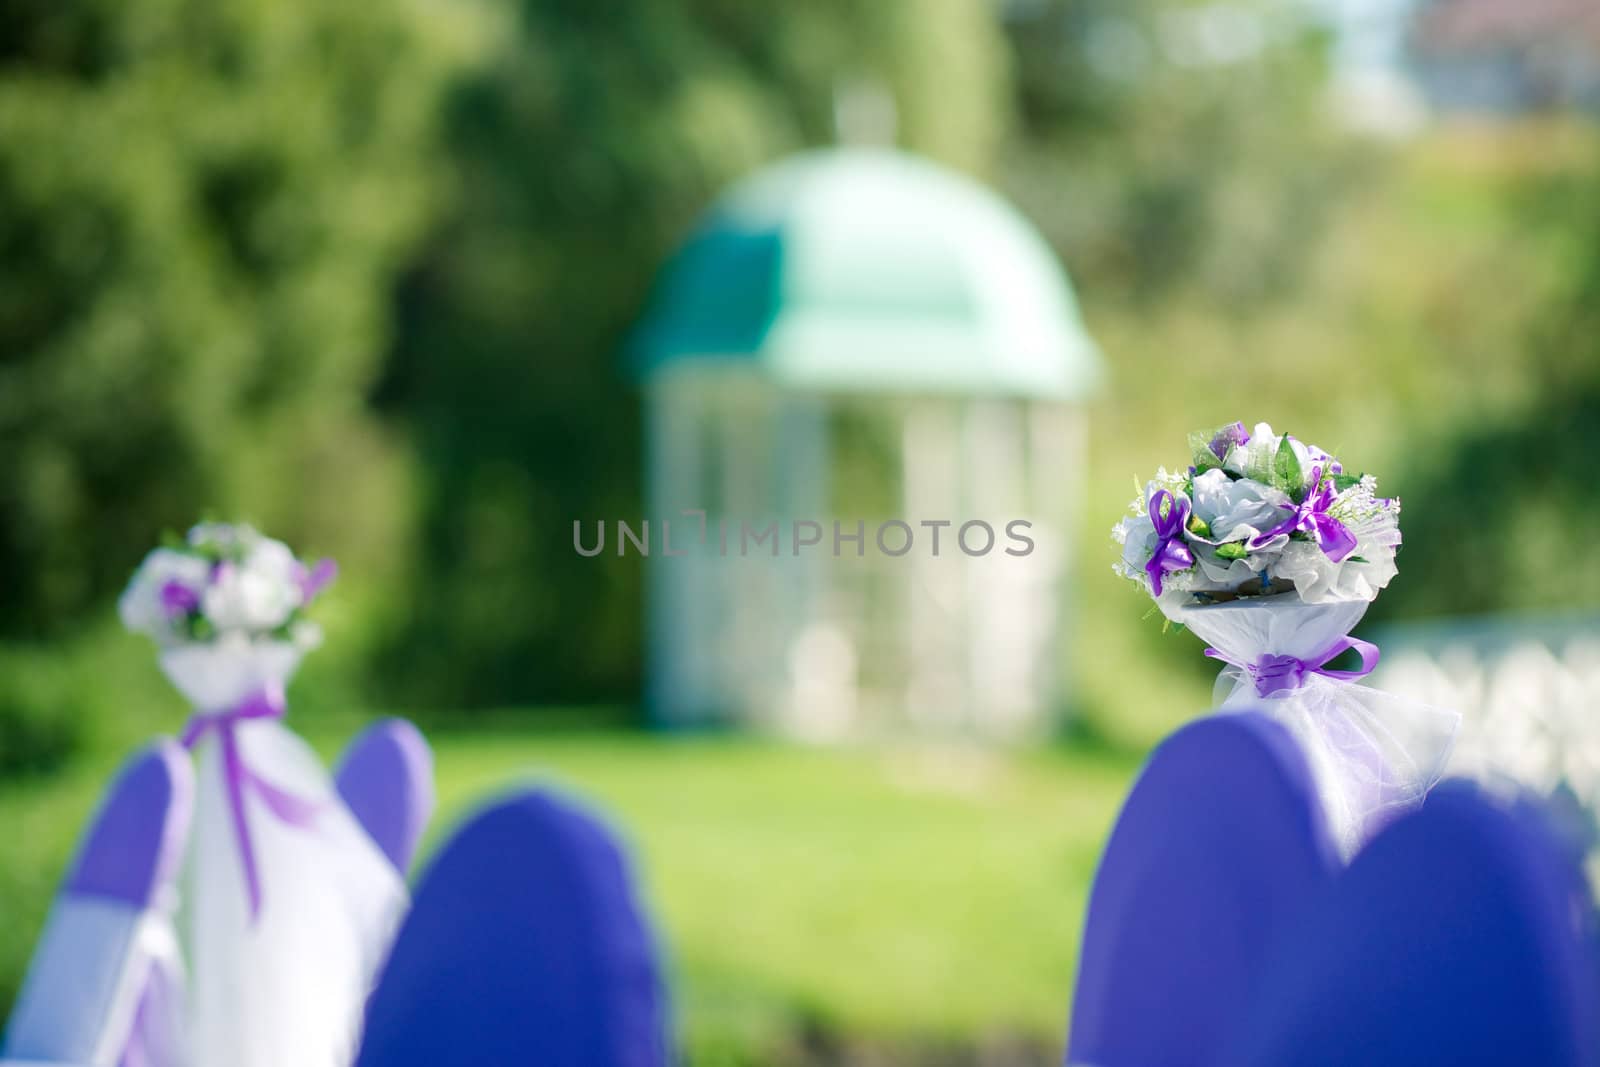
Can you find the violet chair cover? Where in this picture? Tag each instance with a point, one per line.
(386, 779)
(105, 984)
(525, 944)
(1461, 935)
(1220, 844)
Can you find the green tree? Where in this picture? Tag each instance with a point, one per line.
(203, 204)
(1502, 509)
(1167, 146)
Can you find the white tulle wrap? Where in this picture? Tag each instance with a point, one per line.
(1372, 754)
(288, 987)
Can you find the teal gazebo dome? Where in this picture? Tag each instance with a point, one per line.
(853, 270)
(857, 348)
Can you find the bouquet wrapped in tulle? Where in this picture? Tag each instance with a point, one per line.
(1270, 551)
(289, 905)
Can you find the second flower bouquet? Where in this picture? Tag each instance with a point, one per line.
(1270, 550)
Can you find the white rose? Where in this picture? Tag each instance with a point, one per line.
(1239, 510)
(142, 607)
(275, 560)
(259, 593)
(1235, 511)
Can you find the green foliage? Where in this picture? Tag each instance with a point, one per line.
(100, 690)
(201, 205)
(1286, 473)
(1345, 480)
(1521, 477)
(1162, 151)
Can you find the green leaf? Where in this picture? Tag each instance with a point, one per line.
(1357, 559)
(1341, 482)
(1286, 472)
(1200, 450)
(1232, 550)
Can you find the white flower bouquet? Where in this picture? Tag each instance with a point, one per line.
(1270, 551)
(228, 587)
(290, 906)
(1257, 513)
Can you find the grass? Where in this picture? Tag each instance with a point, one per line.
(813, 902)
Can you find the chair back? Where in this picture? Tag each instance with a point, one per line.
(386, 779)
(525, 944)
(1462, 934)
(1216, 850)
(104, 986)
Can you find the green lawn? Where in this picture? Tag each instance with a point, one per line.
(815, 903)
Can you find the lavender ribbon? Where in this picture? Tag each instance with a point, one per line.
(265, 703)
(1311, 516)
(1275, 674)
(1171, 553)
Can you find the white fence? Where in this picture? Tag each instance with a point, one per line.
(1528, 689)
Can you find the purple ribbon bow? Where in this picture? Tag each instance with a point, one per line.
(1311, 516)
(1274, 674)
(265, 703)
(1171, 553)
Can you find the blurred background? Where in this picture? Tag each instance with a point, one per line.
(369, 276)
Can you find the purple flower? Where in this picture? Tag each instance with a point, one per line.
(177, 599)
(1227, 437)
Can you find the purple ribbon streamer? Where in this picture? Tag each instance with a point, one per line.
(265, 703)
(1311, 516)
(1274, 674)
(1171, 554)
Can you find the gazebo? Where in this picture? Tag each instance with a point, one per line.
(860, 337)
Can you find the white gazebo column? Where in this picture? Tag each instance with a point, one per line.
(932, 587)
(816, 657)
(683, 690)
(1057, 460)
(1003, 621)
(741, 634)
